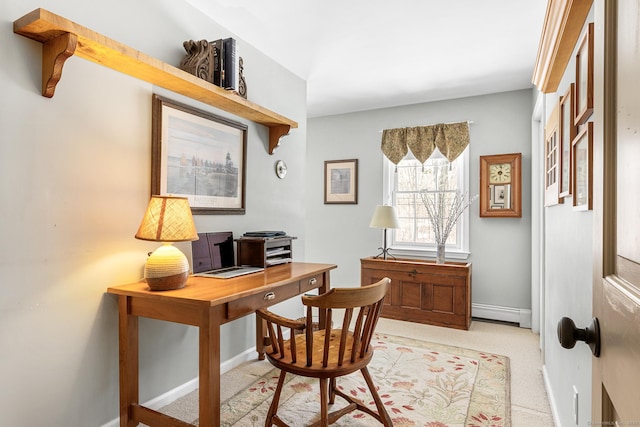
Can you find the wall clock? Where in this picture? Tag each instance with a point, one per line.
(281, 169)
(499, 173)
(500, 186)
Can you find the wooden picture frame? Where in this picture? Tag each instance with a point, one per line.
(501, 186)
(583, 169)
(341, 181)
(198, 155)
(567, 134)
(584, 77)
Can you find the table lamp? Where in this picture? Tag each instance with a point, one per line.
(385, 217)
(167, 219)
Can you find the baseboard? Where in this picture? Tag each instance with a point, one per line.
(552, 400)
(521, 316)
(191, 385)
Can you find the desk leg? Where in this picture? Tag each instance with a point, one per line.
(209, 376)
(260, 336)
(128, 338)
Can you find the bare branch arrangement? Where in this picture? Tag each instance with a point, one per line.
(444, 209)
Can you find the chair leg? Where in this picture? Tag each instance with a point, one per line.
(332, 391)
(273, 408)
(324, 407)
(382, 412)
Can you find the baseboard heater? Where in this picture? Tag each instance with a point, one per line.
(521, 316)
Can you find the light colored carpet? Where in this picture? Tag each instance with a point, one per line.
(419, 383)
(529, 404)
(529, 401)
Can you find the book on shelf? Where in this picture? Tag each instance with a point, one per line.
(218, 62)
(226, 64)
(230, 64)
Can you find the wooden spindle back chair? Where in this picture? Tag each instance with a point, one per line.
(328, 353)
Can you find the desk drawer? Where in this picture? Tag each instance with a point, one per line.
(248, 305)
(311, 283)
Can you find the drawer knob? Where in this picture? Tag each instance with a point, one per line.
(313, 281)
(269, 296)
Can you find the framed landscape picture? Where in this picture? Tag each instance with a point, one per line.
(198, 155)
(341, 181)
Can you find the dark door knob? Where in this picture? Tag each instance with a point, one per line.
(568, 334)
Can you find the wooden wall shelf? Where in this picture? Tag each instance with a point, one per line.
(62, 38)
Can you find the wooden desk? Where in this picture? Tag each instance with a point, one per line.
(206, 303)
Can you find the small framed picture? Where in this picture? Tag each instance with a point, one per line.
(584, 77)
(501, 195)
(198, 155)
(567, 134)
(341, 181)
(582, 169)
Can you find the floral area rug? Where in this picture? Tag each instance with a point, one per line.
(422, 384)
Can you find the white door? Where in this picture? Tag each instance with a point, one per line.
(616, 287)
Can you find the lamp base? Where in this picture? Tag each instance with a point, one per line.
(167, 268)
(384, 254)
(385, 250)
(167, 283)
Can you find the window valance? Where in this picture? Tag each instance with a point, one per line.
(450, 138)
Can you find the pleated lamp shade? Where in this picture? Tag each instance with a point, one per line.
(168, 219)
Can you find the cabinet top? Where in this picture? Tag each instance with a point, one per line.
(373, 261)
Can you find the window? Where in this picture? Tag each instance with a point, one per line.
(552, 159)
(403, 188)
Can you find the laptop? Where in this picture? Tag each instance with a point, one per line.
(214, 256)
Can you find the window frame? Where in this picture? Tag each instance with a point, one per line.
(459, 251)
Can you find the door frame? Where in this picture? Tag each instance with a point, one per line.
(604, 172)
(537, 221)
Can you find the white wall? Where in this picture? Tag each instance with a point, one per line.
(74, 182)
(568, 285)
(500, 247)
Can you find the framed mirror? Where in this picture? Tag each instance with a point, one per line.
(501, 186)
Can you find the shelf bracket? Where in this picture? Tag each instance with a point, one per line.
(54, 54)
(275, 133)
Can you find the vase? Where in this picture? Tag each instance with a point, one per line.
(440, 253)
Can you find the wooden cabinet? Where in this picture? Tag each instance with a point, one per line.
(422, 291)
(62, 38)
(264, 251)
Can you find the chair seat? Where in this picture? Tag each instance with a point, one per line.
(333, 368)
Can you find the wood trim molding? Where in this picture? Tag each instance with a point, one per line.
(562, 26)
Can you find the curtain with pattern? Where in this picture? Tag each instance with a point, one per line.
(450, 138)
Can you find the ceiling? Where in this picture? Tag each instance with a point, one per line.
(365, 54)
